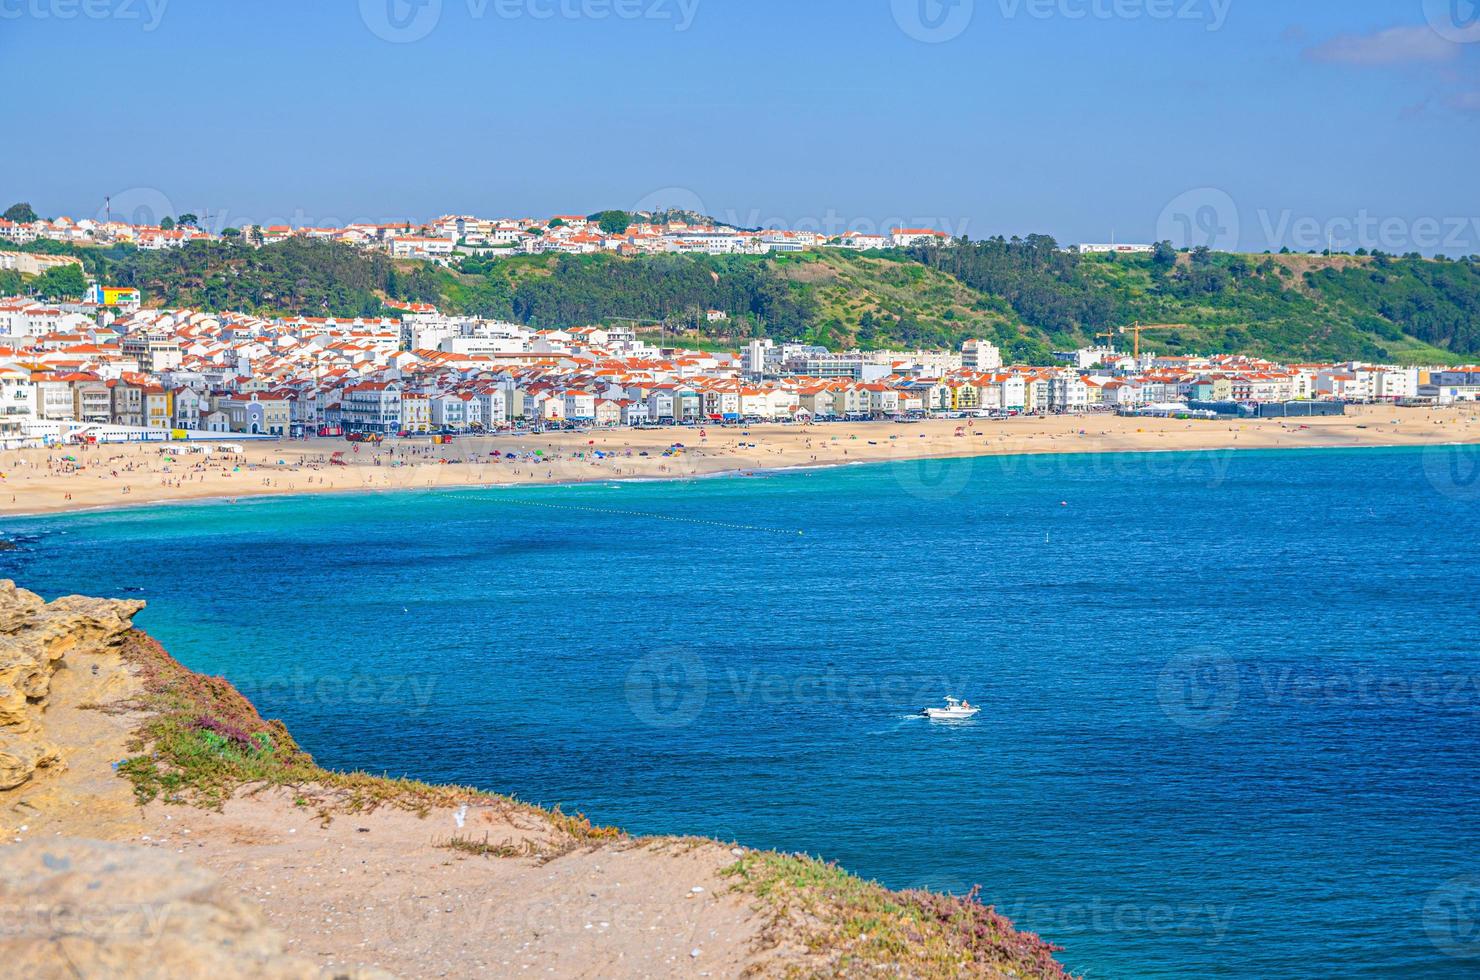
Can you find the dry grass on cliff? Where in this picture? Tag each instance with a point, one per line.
(859, 928)
(203, 741)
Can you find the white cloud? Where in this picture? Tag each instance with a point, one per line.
(1393, 46)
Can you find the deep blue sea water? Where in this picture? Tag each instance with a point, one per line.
(1232, 720)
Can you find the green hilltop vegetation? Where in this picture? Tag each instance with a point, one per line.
(1026, 295)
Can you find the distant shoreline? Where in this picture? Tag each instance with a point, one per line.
(161, 474)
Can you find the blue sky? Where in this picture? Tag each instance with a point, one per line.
(1244, 122)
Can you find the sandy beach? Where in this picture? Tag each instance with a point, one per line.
(52, 480)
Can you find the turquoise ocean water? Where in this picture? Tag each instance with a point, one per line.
(1232, 701)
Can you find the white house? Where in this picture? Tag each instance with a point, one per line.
(905, 237)
(579, 404)
(634, 412)
(372, 406)
(660, 404)
(862, 240)
(1068, 393)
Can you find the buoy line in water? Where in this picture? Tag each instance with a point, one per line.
(612, 511)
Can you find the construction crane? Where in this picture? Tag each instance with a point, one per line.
(1137, 328)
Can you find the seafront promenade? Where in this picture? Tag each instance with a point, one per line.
(74, 478)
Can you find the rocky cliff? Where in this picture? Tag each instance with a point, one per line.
(84, 908)
(35, 637)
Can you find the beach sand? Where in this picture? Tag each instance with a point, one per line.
(45, 480)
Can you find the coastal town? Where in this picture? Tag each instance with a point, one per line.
(453, 236)
(110, 368)
(107, 370)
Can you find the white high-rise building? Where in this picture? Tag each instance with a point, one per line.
(755, 356)
(980, 355)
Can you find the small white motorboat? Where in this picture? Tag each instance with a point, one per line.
(955, 710)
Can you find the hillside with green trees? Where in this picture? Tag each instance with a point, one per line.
(1026, 295)
(296, 276)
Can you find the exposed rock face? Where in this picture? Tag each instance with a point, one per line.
(82, 908)
(34, 637)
